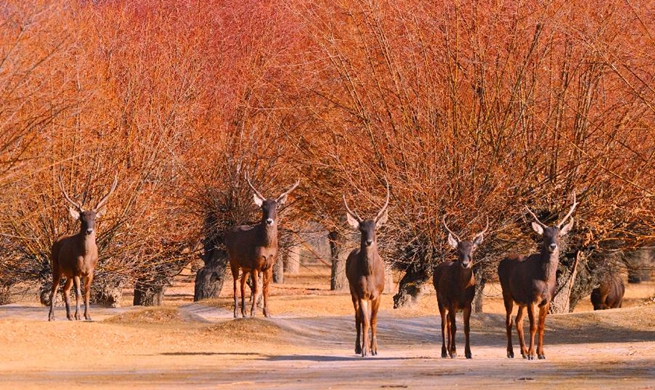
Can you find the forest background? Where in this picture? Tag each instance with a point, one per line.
(470, 110)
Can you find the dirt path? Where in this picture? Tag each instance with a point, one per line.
(200, 346)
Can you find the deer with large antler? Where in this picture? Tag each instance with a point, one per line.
(365, 273)
(253, 249)
(454, 284)
(530, 280)
(76, 256)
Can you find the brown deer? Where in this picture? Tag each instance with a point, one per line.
(365, 273)
(454, 284)
(253, 249)
(609, 295)
(75, 256)
(530, 280)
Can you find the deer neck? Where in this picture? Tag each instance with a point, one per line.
(549, 264)
(465, 274)
(268, 234)
(87, 242)
(369, 257)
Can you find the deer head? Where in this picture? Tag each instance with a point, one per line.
(87, 218)
(269, 206)
(552, 234)
(367, 227)
(465, 249)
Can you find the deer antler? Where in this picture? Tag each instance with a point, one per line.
(352, 213)
(61, 187)
(575, 203)
(288, 191)
(450, 231)
(386, 203)
(482, 232)
(104, 199)
(253, 188)
(543, 225)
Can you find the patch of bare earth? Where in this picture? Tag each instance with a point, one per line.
(310, 344)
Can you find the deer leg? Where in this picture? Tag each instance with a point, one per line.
(268, 275)
(509, 306)
(444, 328)
(543, 311)
(67, 298)
(366, 324)
(533, 331)
(255, 292)
(358, 324)
(467, 330)
(235, 278)
(78, 293)
(87, 295)
(452, 348)
(375, 305)
(244, 275)
(519, 329)
(56, 278)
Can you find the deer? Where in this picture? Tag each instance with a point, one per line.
(76, 256)
(530, 280)
(454, 284)
(253, 250)
(365, 274)
(609, 295)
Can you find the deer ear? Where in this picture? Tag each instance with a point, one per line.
(478, 240)
(383, 219)
(101, 212)
(74, 213)
(452, 241)
(258, 201)
(566, 228)
(352, 221)
(537, 228)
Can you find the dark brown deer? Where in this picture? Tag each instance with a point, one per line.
(609, 295)
(76, 256)
(253, 249)
(365, 273)
(531, 280)
(454, 284)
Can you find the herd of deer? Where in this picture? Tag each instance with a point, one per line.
(525, 280)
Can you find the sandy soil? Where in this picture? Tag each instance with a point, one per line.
(310, 344)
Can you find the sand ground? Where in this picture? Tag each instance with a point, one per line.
(309, 343)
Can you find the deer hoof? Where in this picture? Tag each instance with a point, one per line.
(530, 357)
(469, 356)
(542, 356)
(453, 355)
(358, 349)
(510, 354)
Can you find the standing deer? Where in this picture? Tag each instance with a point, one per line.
(609, 295)
(454, 284)
(532, 280)
(365, 273)
(253, 249)
(75, 256)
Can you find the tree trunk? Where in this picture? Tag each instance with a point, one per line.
(411, 286)
(278, 270)
(480, 281)
(338, 279)
(561, 303)
(148, 293)
(5, 294)
(292, 263)
(210, 278)
(639, 263)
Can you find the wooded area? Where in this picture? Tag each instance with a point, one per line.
(472, 110)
